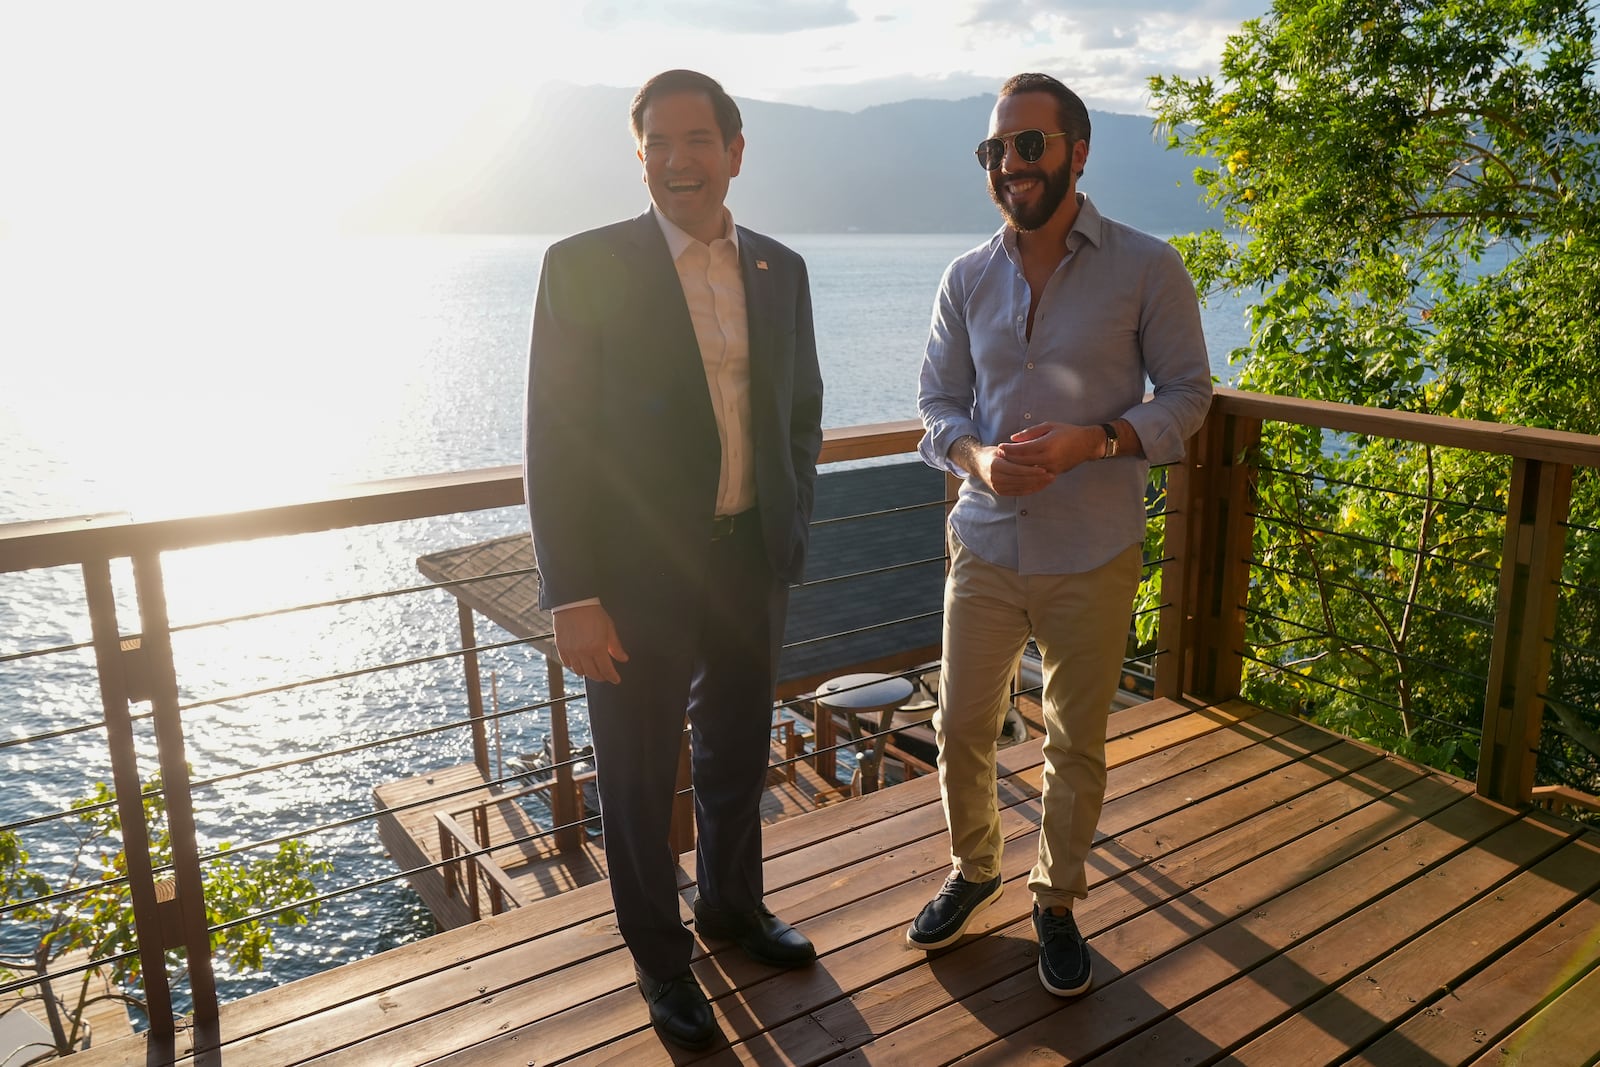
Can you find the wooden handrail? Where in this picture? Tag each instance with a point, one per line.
(57, 542)
(1522, 442)
(452, 837)
(870, 442)
(1560, 797)
(65, 541)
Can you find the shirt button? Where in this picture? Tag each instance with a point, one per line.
(1027, 414)
(1030, 366)
(1024, 511)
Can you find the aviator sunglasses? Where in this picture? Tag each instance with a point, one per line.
(1028, 143)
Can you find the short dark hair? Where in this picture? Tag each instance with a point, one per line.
(1070, 112)
(686, 81)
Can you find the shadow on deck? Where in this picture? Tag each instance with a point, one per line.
(1260, 889)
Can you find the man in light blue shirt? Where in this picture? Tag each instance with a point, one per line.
(1033, 389)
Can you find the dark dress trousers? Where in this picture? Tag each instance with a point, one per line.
(621, 468)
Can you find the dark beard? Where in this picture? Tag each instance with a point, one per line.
(1057, 185)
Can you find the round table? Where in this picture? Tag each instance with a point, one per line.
(856, 695)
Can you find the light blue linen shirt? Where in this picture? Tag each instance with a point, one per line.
(1119, 312)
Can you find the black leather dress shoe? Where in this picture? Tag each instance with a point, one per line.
(763, 936)
(679, 1010)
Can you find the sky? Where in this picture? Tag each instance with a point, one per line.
(173, 172)
(172, 117)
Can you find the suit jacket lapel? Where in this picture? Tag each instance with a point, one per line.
(657, 313)
(661, 308)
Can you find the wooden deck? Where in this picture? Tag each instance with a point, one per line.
(1261, 892)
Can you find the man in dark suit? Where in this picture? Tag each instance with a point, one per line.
(673, 425)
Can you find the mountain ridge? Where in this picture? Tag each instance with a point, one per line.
(565, 161)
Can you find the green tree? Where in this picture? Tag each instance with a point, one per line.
(1411, 196)
(95, 912)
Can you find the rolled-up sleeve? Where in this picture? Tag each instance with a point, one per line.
(1173, 345)
(947, 387)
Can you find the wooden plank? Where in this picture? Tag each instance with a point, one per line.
(1370, 1003)
(602, 983)
(305, 997)
(1177, 968)
(1017, 1001)
(1239, 854)
(383, 1007)
(884, 990)
(1223, 556)
(1458, 1023)
(1182, 532)
(839, 820)
(1265, 992)
(928, 797)
(1564, 1033)
(839, 926)
(1374, 831)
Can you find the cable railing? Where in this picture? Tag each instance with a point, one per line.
(244, 744)
(1359, 641)
(1407, 580)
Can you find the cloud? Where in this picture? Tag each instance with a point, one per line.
(1108, 37)
(722, 16)
(1021, 14)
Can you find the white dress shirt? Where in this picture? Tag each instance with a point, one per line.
(714, 290)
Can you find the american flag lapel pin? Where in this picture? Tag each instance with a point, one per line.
(761, 264)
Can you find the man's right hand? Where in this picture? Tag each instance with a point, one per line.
(1004, 476)
(587, 642)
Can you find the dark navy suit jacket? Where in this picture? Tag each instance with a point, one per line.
(622, 453)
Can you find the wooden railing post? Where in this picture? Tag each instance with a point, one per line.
(1175, 634)
(1519, 662)
(564, 798)
(156, 638)
(469, 663)
(115, 695)
(447, 855)
(1206, 619)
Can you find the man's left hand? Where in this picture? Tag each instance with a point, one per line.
(1055, 446)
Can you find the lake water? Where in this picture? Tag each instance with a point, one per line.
(167, 380)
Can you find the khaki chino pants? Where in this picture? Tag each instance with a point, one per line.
(1080, 623)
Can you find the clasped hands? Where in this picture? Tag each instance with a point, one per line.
(587, 642)
(1030, 459)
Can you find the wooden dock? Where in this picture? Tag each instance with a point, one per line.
(103, 1010)
(521, 849)
(1261, 891)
